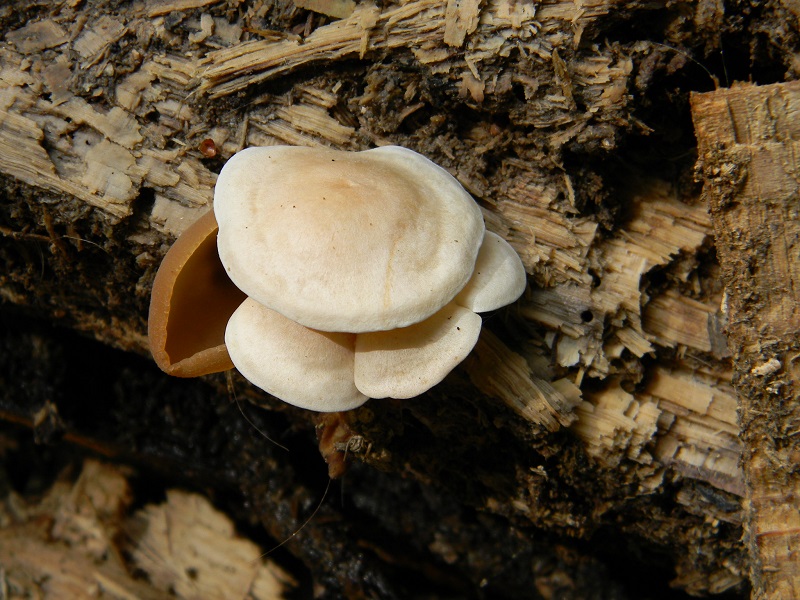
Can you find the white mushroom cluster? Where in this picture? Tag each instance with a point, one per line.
(363, 272)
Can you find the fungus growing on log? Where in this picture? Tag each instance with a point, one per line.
(363, 273)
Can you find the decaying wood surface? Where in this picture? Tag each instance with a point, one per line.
(748, 140)
(601, 406)
(70, 545)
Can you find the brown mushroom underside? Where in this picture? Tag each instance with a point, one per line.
(192, 300)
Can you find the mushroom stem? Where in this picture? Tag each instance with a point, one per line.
(333, 432)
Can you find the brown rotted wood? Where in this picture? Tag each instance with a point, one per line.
(749, 158)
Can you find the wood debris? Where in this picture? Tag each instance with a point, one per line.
(158, 8)
(37, 36)
(105, 165)
(302, 125)
(490, 30)
(660, 228)
(58, 78)
(69, 545)
(62, 547)
(698, 428)
(118, 151)
(94, 40)
(543, 235)
(189, 548)
(501, 373)
(615, 425)
(684, 420)
(461, 19)
(231, 69)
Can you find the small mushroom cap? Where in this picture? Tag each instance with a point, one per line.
(191, 301)
(403, 363)
(346, 241)
(307, 368)
(499, 277)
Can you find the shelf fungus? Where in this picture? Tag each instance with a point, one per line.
(328, 277)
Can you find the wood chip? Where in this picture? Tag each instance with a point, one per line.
(682, 419)
(37, 36)
(63, 546)
(117, 125)
(110, 173)
(68, 545)
(189, 548)
(338, 9)
(461, 19)
(158, 8)
(700, 439)
(316, 120)
(58, 78)
(675, 319)
(615, 425)
(129, 91)
(101, 34)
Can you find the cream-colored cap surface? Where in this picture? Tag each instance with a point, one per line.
(346, 241)
(499, 277)
(403, 363)
(306, 368)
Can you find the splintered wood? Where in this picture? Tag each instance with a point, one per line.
(94, 155)
(678, 320)
(436, 33)
(585, 314)
(71, 543)
(682, 419)
(749, 144)
(501, 373)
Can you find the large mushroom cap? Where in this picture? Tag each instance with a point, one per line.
(346, 241)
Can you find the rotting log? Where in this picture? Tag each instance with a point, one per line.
(748, 138)
(596, 415)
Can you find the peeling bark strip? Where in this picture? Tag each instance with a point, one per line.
(749, 149)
